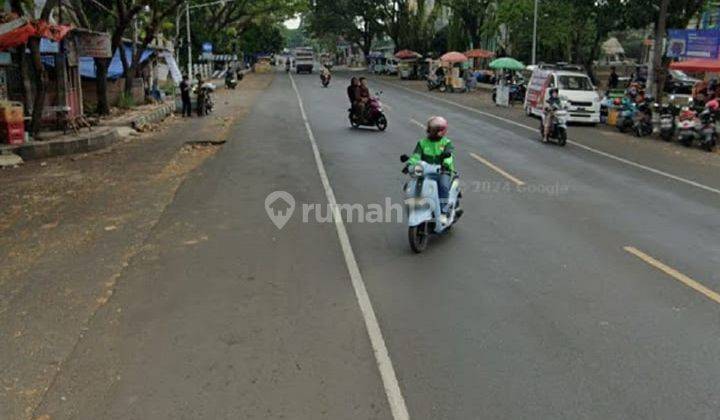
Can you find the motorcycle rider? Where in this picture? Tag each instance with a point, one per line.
(325, 74)
(436, 149)
(362, 97)
(552, 101)
(351, 90)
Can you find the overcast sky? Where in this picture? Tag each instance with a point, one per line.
(293, 23)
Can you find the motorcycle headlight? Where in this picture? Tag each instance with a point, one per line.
(416, 202)
(417, 171)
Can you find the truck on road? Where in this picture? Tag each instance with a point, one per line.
(304, 60)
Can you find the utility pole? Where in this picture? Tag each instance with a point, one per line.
(657, 73)
(534, 40)
(189, 44)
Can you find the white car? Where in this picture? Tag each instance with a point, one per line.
(582, 97)
(391, 67)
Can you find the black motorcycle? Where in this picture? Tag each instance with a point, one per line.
(205, 103)
(325, 80)
(438, 83)
(642, 124)
(668, 112)
(230, 81)
(708, 136)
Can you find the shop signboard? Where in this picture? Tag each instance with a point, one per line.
(691, 43)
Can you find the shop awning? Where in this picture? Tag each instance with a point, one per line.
(407, 55)
(478, 53)
(18, 31)
(710, 66)
(87, 64)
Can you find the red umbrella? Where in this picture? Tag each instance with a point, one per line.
(477, 53)
(406, 54)
(712, 66)
(453, 57)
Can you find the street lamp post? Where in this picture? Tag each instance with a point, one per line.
(534, 41)
(187, 22)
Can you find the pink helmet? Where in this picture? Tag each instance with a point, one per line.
(713, 105)
(437, 126)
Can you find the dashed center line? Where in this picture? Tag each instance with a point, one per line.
(497, 169)
(682, 278)
(416, 122)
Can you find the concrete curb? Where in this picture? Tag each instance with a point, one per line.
(86, 142)
(155, 116)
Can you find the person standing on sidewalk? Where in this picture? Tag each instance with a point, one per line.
(614, 79)
(185, 96)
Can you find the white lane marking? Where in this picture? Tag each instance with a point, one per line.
(574, 143)
(382, 357)
(497, 169)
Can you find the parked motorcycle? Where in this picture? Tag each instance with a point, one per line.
(436, 83)
(372, 116)
(687, 126)
(626, 118)
(642, 121)
(668, 112)
(230, 81)
(423, 205)
(205, 103)
(558, 127)
(707, 135)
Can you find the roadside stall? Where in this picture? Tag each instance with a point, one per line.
(502, 88)
(408, 66)
(478, 66)
(263, 65)
(479, 58)
(454, 62)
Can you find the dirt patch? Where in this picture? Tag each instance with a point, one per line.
(70, 226)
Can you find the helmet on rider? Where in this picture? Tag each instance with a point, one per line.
(436, 127)
(554, 92)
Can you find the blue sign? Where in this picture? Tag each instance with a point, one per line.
(207, 47)
(690, 43)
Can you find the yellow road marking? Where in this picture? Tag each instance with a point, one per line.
(497, 169)
(709, 293)
(416, 122)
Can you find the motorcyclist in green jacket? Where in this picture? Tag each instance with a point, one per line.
(437, 149)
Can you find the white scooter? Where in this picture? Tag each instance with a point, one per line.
(423, 206)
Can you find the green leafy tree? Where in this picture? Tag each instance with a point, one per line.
(358, 21)
(473, 16)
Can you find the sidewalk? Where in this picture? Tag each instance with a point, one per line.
(70, 226)
(108, 132)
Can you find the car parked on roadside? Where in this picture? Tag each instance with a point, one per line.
(391, 67)
(583, 98)
(679, 82)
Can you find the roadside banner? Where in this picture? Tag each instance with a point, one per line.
(172, 66)
(502, 95)
(691, 43)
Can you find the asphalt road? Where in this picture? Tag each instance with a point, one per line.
(535, 306)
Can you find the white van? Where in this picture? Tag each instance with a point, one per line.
(583, 99)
